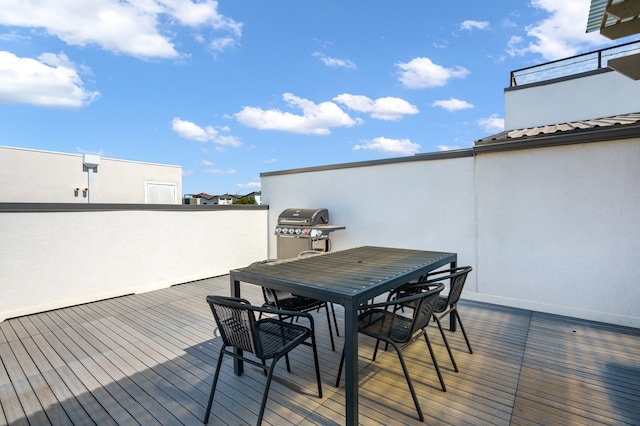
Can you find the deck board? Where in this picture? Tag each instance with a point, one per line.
(149, 359)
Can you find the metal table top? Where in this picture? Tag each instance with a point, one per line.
(344, 275)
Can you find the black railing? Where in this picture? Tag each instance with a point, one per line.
(574, 65)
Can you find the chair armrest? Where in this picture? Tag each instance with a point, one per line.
(282, 312)
(417, 290)
(245, 304)
(445, 274)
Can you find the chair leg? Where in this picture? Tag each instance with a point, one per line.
(464, 333)
(433, 357)
(375, 350)
(315, 359)
(267, 386)
(406, 375)
(213, 385)
(446, 343)
(333, 346)
(286, 361)
(335, 321)
(340, 369)
(266, 390)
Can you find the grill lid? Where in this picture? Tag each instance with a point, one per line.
(304, 217)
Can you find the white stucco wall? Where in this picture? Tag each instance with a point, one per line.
(428, 205)
(55, 259)
(595, 96)
(548, 229)
(551, 229)
(558, 230)
(52, 177)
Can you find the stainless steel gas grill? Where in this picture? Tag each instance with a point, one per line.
(301, 230)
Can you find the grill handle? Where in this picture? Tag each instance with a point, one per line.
(293, 221)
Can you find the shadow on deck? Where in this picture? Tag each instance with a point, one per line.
(149, 359)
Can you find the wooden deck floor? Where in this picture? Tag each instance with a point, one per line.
(149, 358)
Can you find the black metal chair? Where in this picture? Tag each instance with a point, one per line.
(267, 338)
(284, 300)
(383, 322)
(449, 304)
(446, 304)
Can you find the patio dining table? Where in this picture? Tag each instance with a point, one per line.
(348, 277)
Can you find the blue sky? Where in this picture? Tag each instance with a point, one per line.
(233, 88)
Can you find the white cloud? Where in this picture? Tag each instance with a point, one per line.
(491, 124)
(508, 23)
(51, 80)
(389, 146)
(220, 171)
(389, 108)
(420, 73)
(560, 35)
(316, 119)
(440, 44)
(334, 62)
(190, 130)
(13, 36)
(470, 25)
(220, 44)
(131, 27)
(250, 185)
(452, 104)
(271, 160)
(448, 147)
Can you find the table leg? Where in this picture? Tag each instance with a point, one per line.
(238, 365)
(351, 362)
(453, 321)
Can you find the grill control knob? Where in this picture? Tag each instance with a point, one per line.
(278, 230)
(298, 231)
(291, 231)
(319, 232)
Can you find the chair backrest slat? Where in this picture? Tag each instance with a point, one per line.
(457, 284)
(274, 297)
(456, 278)
(235, 323)
(427, 305)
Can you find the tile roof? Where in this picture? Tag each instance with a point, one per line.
(563, 128)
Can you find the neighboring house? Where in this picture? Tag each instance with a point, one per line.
(204, 199)
(225, 200)
(33, 176)
(200, 199)
(246, 199)
(191, 199)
